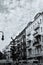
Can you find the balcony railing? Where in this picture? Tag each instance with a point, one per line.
(35, 43)
(29, 34)
(35, 34)
(31, 56)
(37, 27)
(38, 54)
(35, 55)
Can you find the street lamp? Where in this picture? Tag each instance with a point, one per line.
(2, 35)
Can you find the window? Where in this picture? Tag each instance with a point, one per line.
(37, 28)
(29, 34)
(35, 23)
(38, 50)
(30, 51)
(29, 43)
(40, 21)
(41, 29)
(33, 51)
(33, 26)
(42, 38)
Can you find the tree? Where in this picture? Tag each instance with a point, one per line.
(13, 52)
(2, 56)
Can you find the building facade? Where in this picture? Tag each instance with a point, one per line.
(29, 43)
(21, 44)
(34, 38)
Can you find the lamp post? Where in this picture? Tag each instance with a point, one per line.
(2, 35)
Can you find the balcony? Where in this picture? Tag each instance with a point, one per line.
(29, 34)
(35, 34)
(37, 41)
(35, 55)
(36, 44)
(30, 48)
(27, 45)
(38, 54)
(29, 41)
(31, 56)
(37, 28)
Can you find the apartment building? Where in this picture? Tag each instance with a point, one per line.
(29, 41)
(34, 38)
(20, 41)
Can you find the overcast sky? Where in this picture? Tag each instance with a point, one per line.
(14, 16)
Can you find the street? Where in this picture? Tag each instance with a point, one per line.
(4, 62)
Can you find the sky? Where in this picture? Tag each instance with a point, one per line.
(15, 15)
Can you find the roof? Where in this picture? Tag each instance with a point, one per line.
(20, 33)
(29, 24)
(37, 15)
